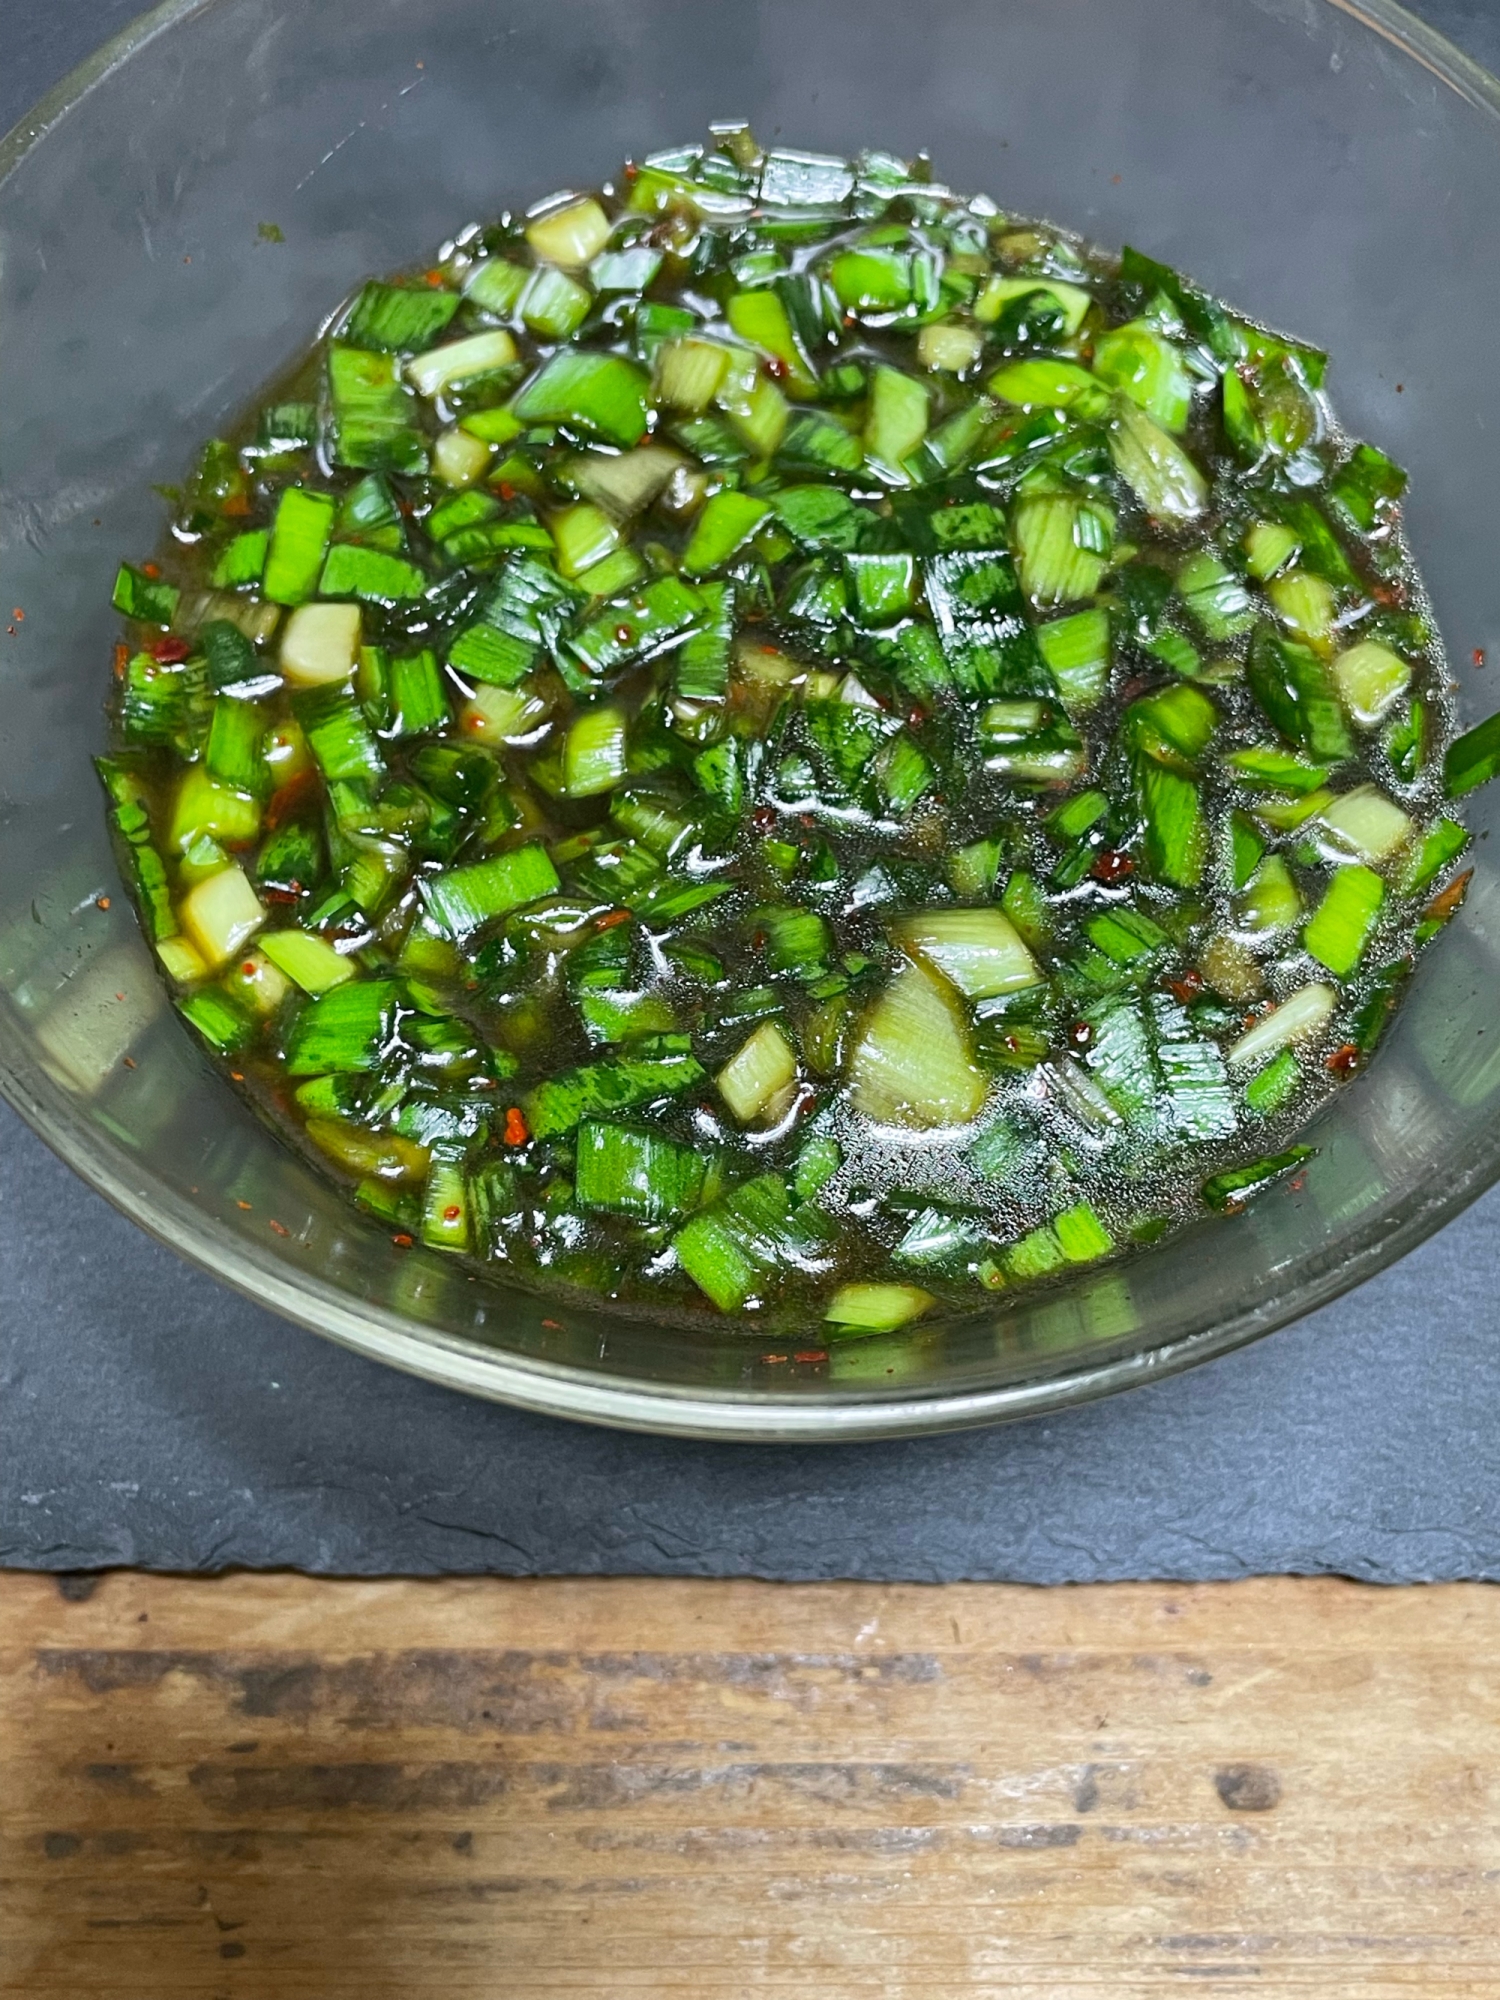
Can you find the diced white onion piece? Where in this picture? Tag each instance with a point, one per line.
(460, 361)
(458, 458)
(320, 644)
(1304, 1013)
(759, 1073)
(220, 915)
(572, 235)
(1370, 677)
(980, 950)
(913, 1064)
(1365, 822)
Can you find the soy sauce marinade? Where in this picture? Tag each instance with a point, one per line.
(775, 741)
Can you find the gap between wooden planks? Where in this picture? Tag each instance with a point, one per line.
(276, 1788)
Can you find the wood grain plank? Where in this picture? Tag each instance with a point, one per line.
(275, 1788)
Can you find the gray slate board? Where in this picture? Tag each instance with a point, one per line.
(149, 1417)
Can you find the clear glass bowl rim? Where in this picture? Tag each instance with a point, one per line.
(575, 1393)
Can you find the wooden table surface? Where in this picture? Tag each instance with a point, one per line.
(271, 1788)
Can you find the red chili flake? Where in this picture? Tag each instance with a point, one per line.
(812, 1354)
(129, 1062)
(516, 1130)
(1111, 864)
(764, 818)
(1080, 1034)
(401, 1240)
(632, 171)
(506, 490)
(168, 651)
(553, 1325)
(122, 660)
(848, 319)
(248, 968)
(759, 941)
(280, 1227)
(1297, 1183)
(776, 368)
(19, 615)
(1345, 1060)
(623, 635)
(119, 996)
(433, 277)
(774, 1360)
(1451, 898)
(1114, 180)
(236, 1076)
(242, 1204)
(293, 895)
(101, 902)
(1478, 654)
(1188, 987)
(1400, 388)
(915, 717)
(153, 570)
(610, 918)
(452, 1212)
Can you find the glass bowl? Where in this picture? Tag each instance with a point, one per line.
(1327, 166)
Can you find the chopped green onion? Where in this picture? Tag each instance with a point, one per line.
(1339, 929)
(622, 1171)
(462, 900)
(1230, 1191)
(600, 394)
(1473, 760)
(398, 317)
(345, 1030)
(759, 1075)
(866, 1308)
(299, 537)
(913, 1063)
(1155, 467)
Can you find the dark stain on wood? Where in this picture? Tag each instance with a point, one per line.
(592, 1787)
(1248, 1787)
(120, 1778)
(387, 1788)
